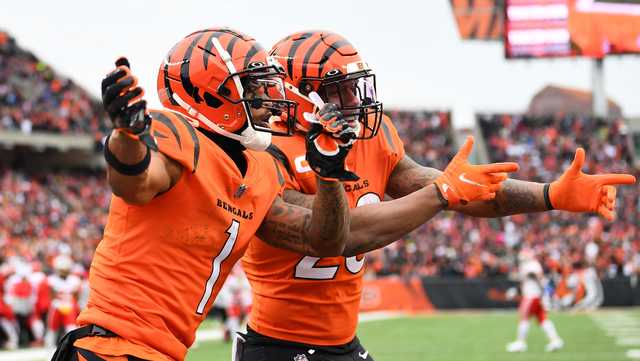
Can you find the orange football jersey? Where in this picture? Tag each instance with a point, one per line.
(309, 299)
(160, 266)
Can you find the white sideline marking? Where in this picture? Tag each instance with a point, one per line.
(379, 315)
(628, 341)
(623, 328)
(31, 354)
(634, 354)
(625, 331)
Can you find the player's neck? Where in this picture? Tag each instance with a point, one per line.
(232, 147)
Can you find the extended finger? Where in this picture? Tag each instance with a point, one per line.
(615, 178)
(466, 148)
(505, 167)
(578, 161)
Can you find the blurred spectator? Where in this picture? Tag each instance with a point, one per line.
(34, 98)
(459, 246)
(47, 214)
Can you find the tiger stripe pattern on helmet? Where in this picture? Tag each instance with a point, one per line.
(197, 79)
(303, 46)
(321, 61)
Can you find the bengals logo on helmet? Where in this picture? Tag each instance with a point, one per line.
(224, 78)
(327, 63)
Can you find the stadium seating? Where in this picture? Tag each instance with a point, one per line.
(46, 213)
(34, 98)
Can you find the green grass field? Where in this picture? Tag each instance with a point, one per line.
(483, 336)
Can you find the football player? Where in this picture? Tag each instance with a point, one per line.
(305, 305)
(531, 288)
(64, 308)
(191, 187)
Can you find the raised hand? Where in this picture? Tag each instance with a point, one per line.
(576, 191)
(328, 141)
(463, 182)
(122, 99)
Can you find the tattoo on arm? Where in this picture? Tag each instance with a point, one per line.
(299, 199)
(408, 176)
(320, 232)
(331, 219)
(518, 197)
(286, 226)
(515, 196)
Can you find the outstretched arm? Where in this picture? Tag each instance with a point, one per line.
(370, 227)
(574, 191)
(377, 225)
(320, 231)
(514, 197)
(134, 172)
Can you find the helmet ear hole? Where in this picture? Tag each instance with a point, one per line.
(212, 101)
(305, 87)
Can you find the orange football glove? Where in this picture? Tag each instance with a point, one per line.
(463, 182)
(575, 191)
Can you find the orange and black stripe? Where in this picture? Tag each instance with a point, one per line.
(330, 51)
(185, 78)
(243, 51)
(165, 118)
(311, 50)
(307, 56)
(162, 118)
(194, 138)
(278, 155)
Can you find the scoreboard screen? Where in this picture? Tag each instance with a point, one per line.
(550, 28)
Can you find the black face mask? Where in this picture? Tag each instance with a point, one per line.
(355, 95)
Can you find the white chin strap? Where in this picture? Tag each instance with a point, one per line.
(250, 138)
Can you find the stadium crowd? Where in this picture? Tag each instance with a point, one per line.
(33, 97)
(51, 222)
(455, 245)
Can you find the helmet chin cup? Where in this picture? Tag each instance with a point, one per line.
(255, 140)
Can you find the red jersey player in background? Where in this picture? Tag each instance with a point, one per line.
(306, 306)
(65, 289)
(532, 283)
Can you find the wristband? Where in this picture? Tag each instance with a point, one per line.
(126, 169)
(547, 200)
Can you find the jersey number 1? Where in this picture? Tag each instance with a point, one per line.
(232, 231)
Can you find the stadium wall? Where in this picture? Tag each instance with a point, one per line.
(429, 293)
